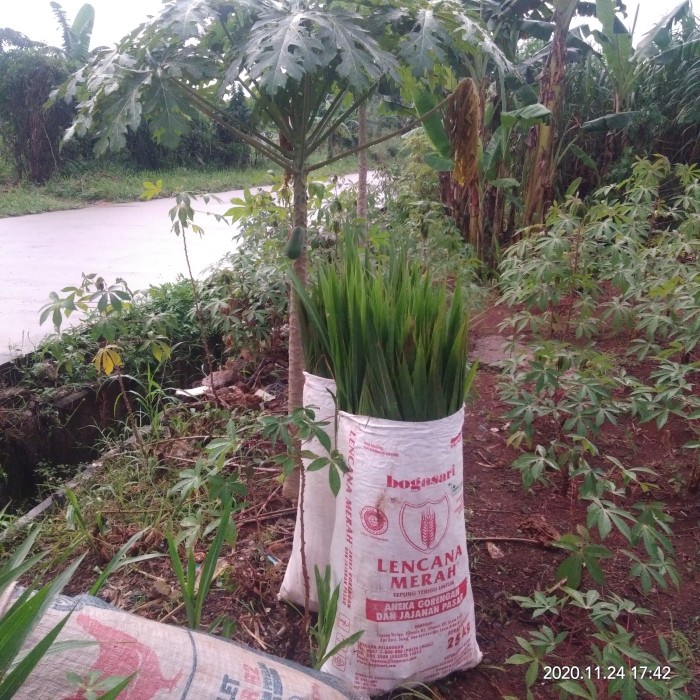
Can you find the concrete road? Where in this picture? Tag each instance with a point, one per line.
(42, 253)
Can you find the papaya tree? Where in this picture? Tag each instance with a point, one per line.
(305, 65)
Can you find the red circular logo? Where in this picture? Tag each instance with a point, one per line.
(374, 520)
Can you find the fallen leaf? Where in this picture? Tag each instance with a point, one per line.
(538, 528)
(494, 551)
(161, 589)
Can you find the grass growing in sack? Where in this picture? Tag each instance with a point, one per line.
(316, 358)
(394, 340)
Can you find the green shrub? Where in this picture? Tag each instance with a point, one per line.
(30, 134)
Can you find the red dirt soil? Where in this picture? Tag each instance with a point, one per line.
(499, 512)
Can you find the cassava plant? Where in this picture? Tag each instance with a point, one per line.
(104, 308)
(624, 264)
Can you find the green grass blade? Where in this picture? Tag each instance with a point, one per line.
(396, 340)
(8, 574)
(12, 682)
(116, 562)
(113, 693)
(208, 569)
(21, 619)
(20, 554)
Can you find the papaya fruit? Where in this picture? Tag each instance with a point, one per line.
(295, 243)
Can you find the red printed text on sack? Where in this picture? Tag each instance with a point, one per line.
(426, 571)
(415, 608)
(420, 483)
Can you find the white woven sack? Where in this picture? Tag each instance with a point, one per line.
(399, 552)
(319, 501)
(167, 662)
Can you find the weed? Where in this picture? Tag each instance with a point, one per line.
(195, 585)
(94, 685)
(321, 632)
(120, 560)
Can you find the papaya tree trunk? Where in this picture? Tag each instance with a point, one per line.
(362, 162)
(295, 384)
(539, 191)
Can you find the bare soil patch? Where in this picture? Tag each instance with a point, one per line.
(510, 532)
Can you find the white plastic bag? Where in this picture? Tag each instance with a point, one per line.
(319, 501)
(399, 552)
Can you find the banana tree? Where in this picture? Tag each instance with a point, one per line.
(670, 82)
(484, 207)
(539, 190)
(29, 71)
(547, 20)
(76, 36)
(624, 68)
(474, 67)
(622, 60)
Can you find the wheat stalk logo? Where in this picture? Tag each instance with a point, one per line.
(424, 525)
(428, 528)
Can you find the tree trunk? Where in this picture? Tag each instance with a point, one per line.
(489, 230)
(610, 140)
(447, 198)
(457, 202)
(295, 388)
(539, 190)
(474, 237)
(498, 217)
(362, 163)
